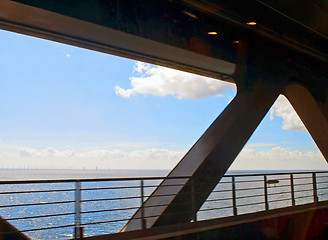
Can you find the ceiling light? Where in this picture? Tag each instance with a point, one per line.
(251, 23)
(212, 33)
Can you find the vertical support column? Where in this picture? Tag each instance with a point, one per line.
(266, 201)
(314, 182)
(78, 230)
(234, 201)
(143, 220)
(292, 188)
(193, 201)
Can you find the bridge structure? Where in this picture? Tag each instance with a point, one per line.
(265, 47)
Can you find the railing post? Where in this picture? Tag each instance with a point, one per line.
(315, 194)
(266, 202)
(292, 189)
(78, 230)
(142, 196)
(234, 202)
(193, 200)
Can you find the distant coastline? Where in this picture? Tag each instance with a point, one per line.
(8, 174)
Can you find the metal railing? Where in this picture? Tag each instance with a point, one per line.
(247, 193)
(73, 208)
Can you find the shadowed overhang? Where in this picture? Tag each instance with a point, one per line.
(176, 33)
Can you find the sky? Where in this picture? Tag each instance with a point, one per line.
(67, 107)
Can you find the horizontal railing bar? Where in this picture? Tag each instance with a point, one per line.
(110, 188)
(321, 194)
(111, 210)
(304, 196)
(133, 208)
(38, 191)
(211, 209)
(318, 182)
(280, 200)
(124, 198)
(278, 193)
(129, 187)
(247, 181)
(46, 228)
(35, 204)
(219, 183)
(306, 177)
(279, 186)
(318, 176)
(274, 173)
(180, 212)
(302, 184)
(162, 205)
(92, 180)
(219, 191)
(166, 214)
(259, 180)
(251, 188)
(249, 204)
(323, 179)
(166, 195)
(250, 196)
(166, 185)
(303, 190)
(281, 179)
(126, 219)
(101, 222)
(108, 199)
(322, 182)
(217, 199)
(40, 216)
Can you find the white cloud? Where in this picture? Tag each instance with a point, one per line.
(68, 55)
(279, 158)
(276, 157)
(155, 158)
(126, 93)
(161, 81)
(282, 108)
(141, 66)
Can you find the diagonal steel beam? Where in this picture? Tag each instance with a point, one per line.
(313, 113)
(208, 160)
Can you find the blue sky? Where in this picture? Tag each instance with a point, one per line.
(63, 106)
